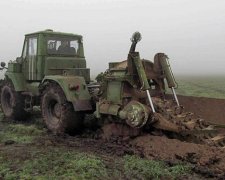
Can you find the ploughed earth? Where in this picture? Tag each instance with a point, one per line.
(204, 161)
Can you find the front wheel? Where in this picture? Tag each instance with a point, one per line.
(12, 102)
(58, 114)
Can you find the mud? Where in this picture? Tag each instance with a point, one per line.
(109, 148)
(210, 109)
(206, 160)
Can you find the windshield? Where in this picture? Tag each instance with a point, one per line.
(62, 46)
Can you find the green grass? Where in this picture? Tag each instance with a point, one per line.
(145, 169)
(59, 163)
(212, 86)
(19, 133)
(55, 164)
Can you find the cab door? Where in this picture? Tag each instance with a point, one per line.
(31, 58)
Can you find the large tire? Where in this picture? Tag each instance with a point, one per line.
(12, 102)
(58, 114)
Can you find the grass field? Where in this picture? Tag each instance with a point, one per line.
(201, 86)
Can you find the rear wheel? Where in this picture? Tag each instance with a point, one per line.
(58, 114)
(12, 102)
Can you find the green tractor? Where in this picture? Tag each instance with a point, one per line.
(129, 98)
(51, 73)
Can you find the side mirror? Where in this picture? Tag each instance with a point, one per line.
(3, 64)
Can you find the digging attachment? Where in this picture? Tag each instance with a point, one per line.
(130, 94)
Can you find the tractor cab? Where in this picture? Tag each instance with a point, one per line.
(50, 57)
(53, 53)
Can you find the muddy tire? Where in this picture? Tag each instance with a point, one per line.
(58, 114)
(12, 103)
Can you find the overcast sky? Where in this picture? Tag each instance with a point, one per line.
(190, 32)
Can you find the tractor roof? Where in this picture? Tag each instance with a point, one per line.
(51, 32)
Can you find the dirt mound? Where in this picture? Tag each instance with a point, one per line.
(205, 160)
(209, 161)
(210, 109)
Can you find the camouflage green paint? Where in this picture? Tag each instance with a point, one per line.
(167, 71)
(114, 91)
(70, 65)
(74, 88)
(28, 72)
(141, 72)
(136, 114)
(17, 79)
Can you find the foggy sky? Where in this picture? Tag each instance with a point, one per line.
(190, 32)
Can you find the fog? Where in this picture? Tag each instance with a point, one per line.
(190, 32)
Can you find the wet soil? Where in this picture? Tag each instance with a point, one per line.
(206, 161)
(210, 109)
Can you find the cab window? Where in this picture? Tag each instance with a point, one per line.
(32, 49)
(62, 46)
(24, 49)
